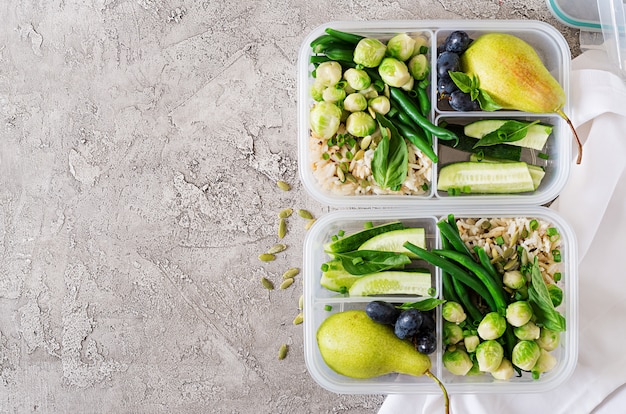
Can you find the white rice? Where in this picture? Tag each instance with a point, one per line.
(537, 243)
(325, 171)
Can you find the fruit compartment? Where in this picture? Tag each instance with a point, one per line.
(319, 304)
(551, 47)
(550, 158)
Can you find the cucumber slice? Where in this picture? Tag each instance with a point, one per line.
(535, 138)
(353, 241)
(536, 172)
(392, 241)
(392, 282)
(336, 278)
(485, 177)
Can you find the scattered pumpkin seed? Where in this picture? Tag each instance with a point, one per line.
(298, 319)
(286, 283)
(282, 228)
(359, 155)
(267, 257)
(282, 351)
(284, 213)
(305, 214)
(267, 284)
(341, 175)
(301, 302)
(309, 224)
(283, 185)
(514, 239)
(365, 142)
(351, 178)
(511, 264)
(291, 272)
(277, 248)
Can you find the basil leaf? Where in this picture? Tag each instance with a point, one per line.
(423, 305)
(390, 160)
(486, 102)
(540, 300)
(510, 131)
(463, 81)
(361, 262)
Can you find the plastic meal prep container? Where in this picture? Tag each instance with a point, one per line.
(553, 51)
(317, 299)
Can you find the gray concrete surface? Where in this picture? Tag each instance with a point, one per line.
(140, 144)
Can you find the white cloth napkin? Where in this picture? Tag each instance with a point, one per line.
(594, 203)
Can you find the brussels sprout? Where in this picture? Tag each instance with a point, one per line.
(418, 66)
(492, 326)
(409, 85)
(369, 92)
(334, 94)
(360, 124)
(358, 79)
(421, 45)
(505, 371)
(401, 46)
(380, 104)
(489, 355)
(529, 331)
(545, 363)
(394, 72)
(355, 102)
(514, 279)
(453, 312)
(317, 91)
(328, 73)
(369, 52)
(325, 118)
(548, 339)
(457, 361)
(556, 294)
(519, 313)
(452, 333)
(525, 354)
(471, 342)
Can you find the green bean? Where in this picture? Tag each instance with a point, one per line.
(346, 37)
(336, 53)
(418, 140)
(454, 271)
(448, 288)
(424, 101)
(462, 294)
(485, 261)
(323, 42)
(495, 290)
(411, 109)
(447, 231)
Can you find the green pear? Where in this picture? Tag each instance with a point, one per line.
(353, 345)
(512, 73)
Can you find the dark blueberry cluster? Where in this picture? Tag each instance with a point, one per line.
(448, 58)
(411, 324)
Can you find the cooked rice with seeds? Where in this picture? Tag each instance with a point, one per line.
(359, 179)
(537, 243)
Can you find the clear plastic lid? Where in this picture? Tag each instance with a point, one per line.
(581, 14)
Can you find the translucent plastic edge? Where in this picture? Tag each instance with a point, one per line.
(539, 386)
(391, 201)
(570, 21)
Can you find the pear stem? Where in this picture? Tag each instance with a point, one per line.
(446, 398)
(580, 145)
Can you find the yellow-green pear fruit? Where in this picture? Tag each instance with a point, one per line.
(512, 73)
(353, 345)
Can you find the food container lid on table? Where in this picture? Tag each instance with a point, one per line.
(555, 158)
(320, 303)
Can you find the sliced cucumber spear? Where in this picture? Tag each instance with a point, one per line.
(536, 135)
(485, 177)
(355, 240)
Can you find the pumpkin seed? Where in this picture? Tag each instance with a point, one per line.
(267, 284)
(286, 283)
(305, 214)
(359, 155)
(282, 351)
(508, 252)
(301, 302)
(365, 142)
(351, 178)
(514, 239)
(283, 185)
(282, 228)
(277, 248)
(267, 257)
(291, 272)
(285, 213)
(298, 319)
(341, 175)
(511, 264)
(309, 224)
(524, 257)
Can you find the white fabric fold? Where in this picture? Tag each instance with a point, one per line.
(594, 203)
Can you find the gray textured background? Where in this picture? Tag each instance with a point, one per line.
(140, 144)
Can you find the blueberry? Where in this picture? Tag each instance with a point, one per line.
(382, 312)
(445, 86)
(425, 342)
(461, 101)
(447, 61)
(457, 42)
(408, 323)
